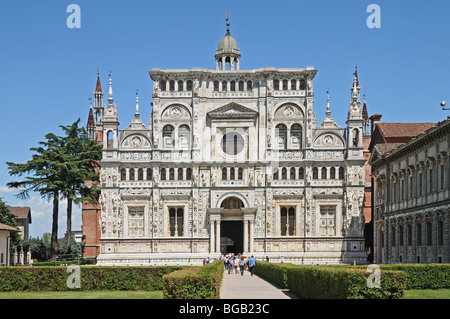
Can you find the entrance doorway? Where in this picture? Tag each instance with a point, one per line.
(232, 237)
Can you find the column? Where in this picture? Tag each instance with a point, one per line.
(245, 236)
(144, 173)
(218, 236)
(251, 235)
(211, 237)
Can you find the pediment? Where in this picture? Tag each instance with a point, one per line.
(233, 110)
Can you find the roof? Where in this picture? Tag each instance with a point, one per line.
(9, 228)
(403, 129)
(227, 42)
(21, 212)
(91, 121)
(98, 88)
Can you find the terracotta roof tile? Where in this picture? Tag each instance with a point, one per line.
(404, 129)
(21, 212)
(7, 227)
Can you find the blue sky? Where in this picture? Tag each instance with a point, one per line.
(48, 71)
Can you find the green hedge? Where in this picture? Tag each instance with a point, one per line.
(92, 278)
(322, 282)
(199, 282)
(423, 276)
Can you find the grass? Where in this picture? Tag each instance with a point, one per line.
(82, 295)
(427, 294)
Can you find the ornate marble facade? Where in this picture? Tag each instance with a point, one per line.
(232, 161)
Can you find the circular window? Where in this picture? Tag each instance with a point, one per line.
(232, 143)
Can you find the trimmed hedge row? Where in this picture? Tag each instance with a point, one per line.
(199, 282)
(422, 276)
(92, 278)
(324, 282)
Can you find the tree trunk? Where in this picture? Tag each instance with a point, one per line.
(54, 244)
(69, 226)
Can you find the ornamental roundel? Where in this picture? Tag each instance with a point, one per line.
(328, 140)
(289, 111)
(136, 141)
(176, 112)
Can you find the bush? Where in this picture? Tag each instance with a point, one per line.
(92, 278)
(325, 282)
(199, 282)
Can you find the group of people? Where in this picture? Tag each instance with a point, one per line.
(238, 263)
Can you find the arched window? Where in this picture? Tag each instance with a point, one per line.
(172, 86)
(285, 84)
(240, 175)
(341, 173)
(216, 86)
(302, 85)
(284, 173)
(232, 173)
(296, 136)
(176, 221)
(140, 174)
(180, 174)
(292, 173)
(281, 136)
(224, 86)
(132, 174)
(180, 85)
(232, 86)
(332, 173)
(171, 174)
(149, 174)
(315, 173)
(163, 85)
(123, 174)
(184, 137)
(241, 86)
(324, 173)
(168, 136)
(276, 85)
(163, 174)
(189, 173)
(293, 84)
(301, 173)
(189, 85)
(224, 174)
(355, 137)
(110, 139)
(249, 85)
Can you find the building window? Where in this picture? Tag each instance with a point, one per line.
(315, 173)
(442, 169)
(418, 234)
(324, 173)
(232, 143)
(216, 86)
(287, 220)
(400, 230)
(296, 136)
(184, 137)
(149, 174)
(332, 173)
(301, 173)
(176, 221)
(341, 173)
(440, 238)
(281, 136)
(276, 85)
(168, 136)
(409, 228)
(327, 222)
(123, 174)
(136, 221)
(189, 85)
(429, 234)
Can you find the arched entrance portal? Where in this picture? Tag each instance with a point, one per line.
(232, 226)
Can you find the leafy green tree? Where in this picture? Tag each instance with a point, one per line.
(82, 156)
(7, 218)
(44, 177)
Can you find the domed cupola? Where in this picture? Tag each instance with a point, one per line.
(227, 52)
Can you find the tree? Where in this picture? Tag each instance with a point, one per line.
(7, 218)
(82, 156)
(45, 169)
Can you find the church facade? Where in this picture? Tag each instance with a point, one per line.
(231, 161)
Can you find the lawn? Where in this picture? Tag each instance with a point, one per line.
(82, 295)
(427, 294)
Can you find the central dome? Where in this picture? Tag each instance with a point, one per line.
(228, 42)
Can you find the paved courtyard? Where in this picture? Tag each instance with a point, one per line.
(235, 286)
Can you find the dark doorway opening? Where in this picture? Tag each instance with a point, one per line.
(231, 237)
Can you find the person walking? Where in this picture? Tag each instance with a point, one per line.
(242, 265)
(252, 264)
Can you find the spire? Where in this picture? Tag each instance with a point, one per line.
(98, 87)
(328, 112)
(136, 114)
(227, 23)
(90, 122)
(365, 114)
(328, 121)
(110, 93)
